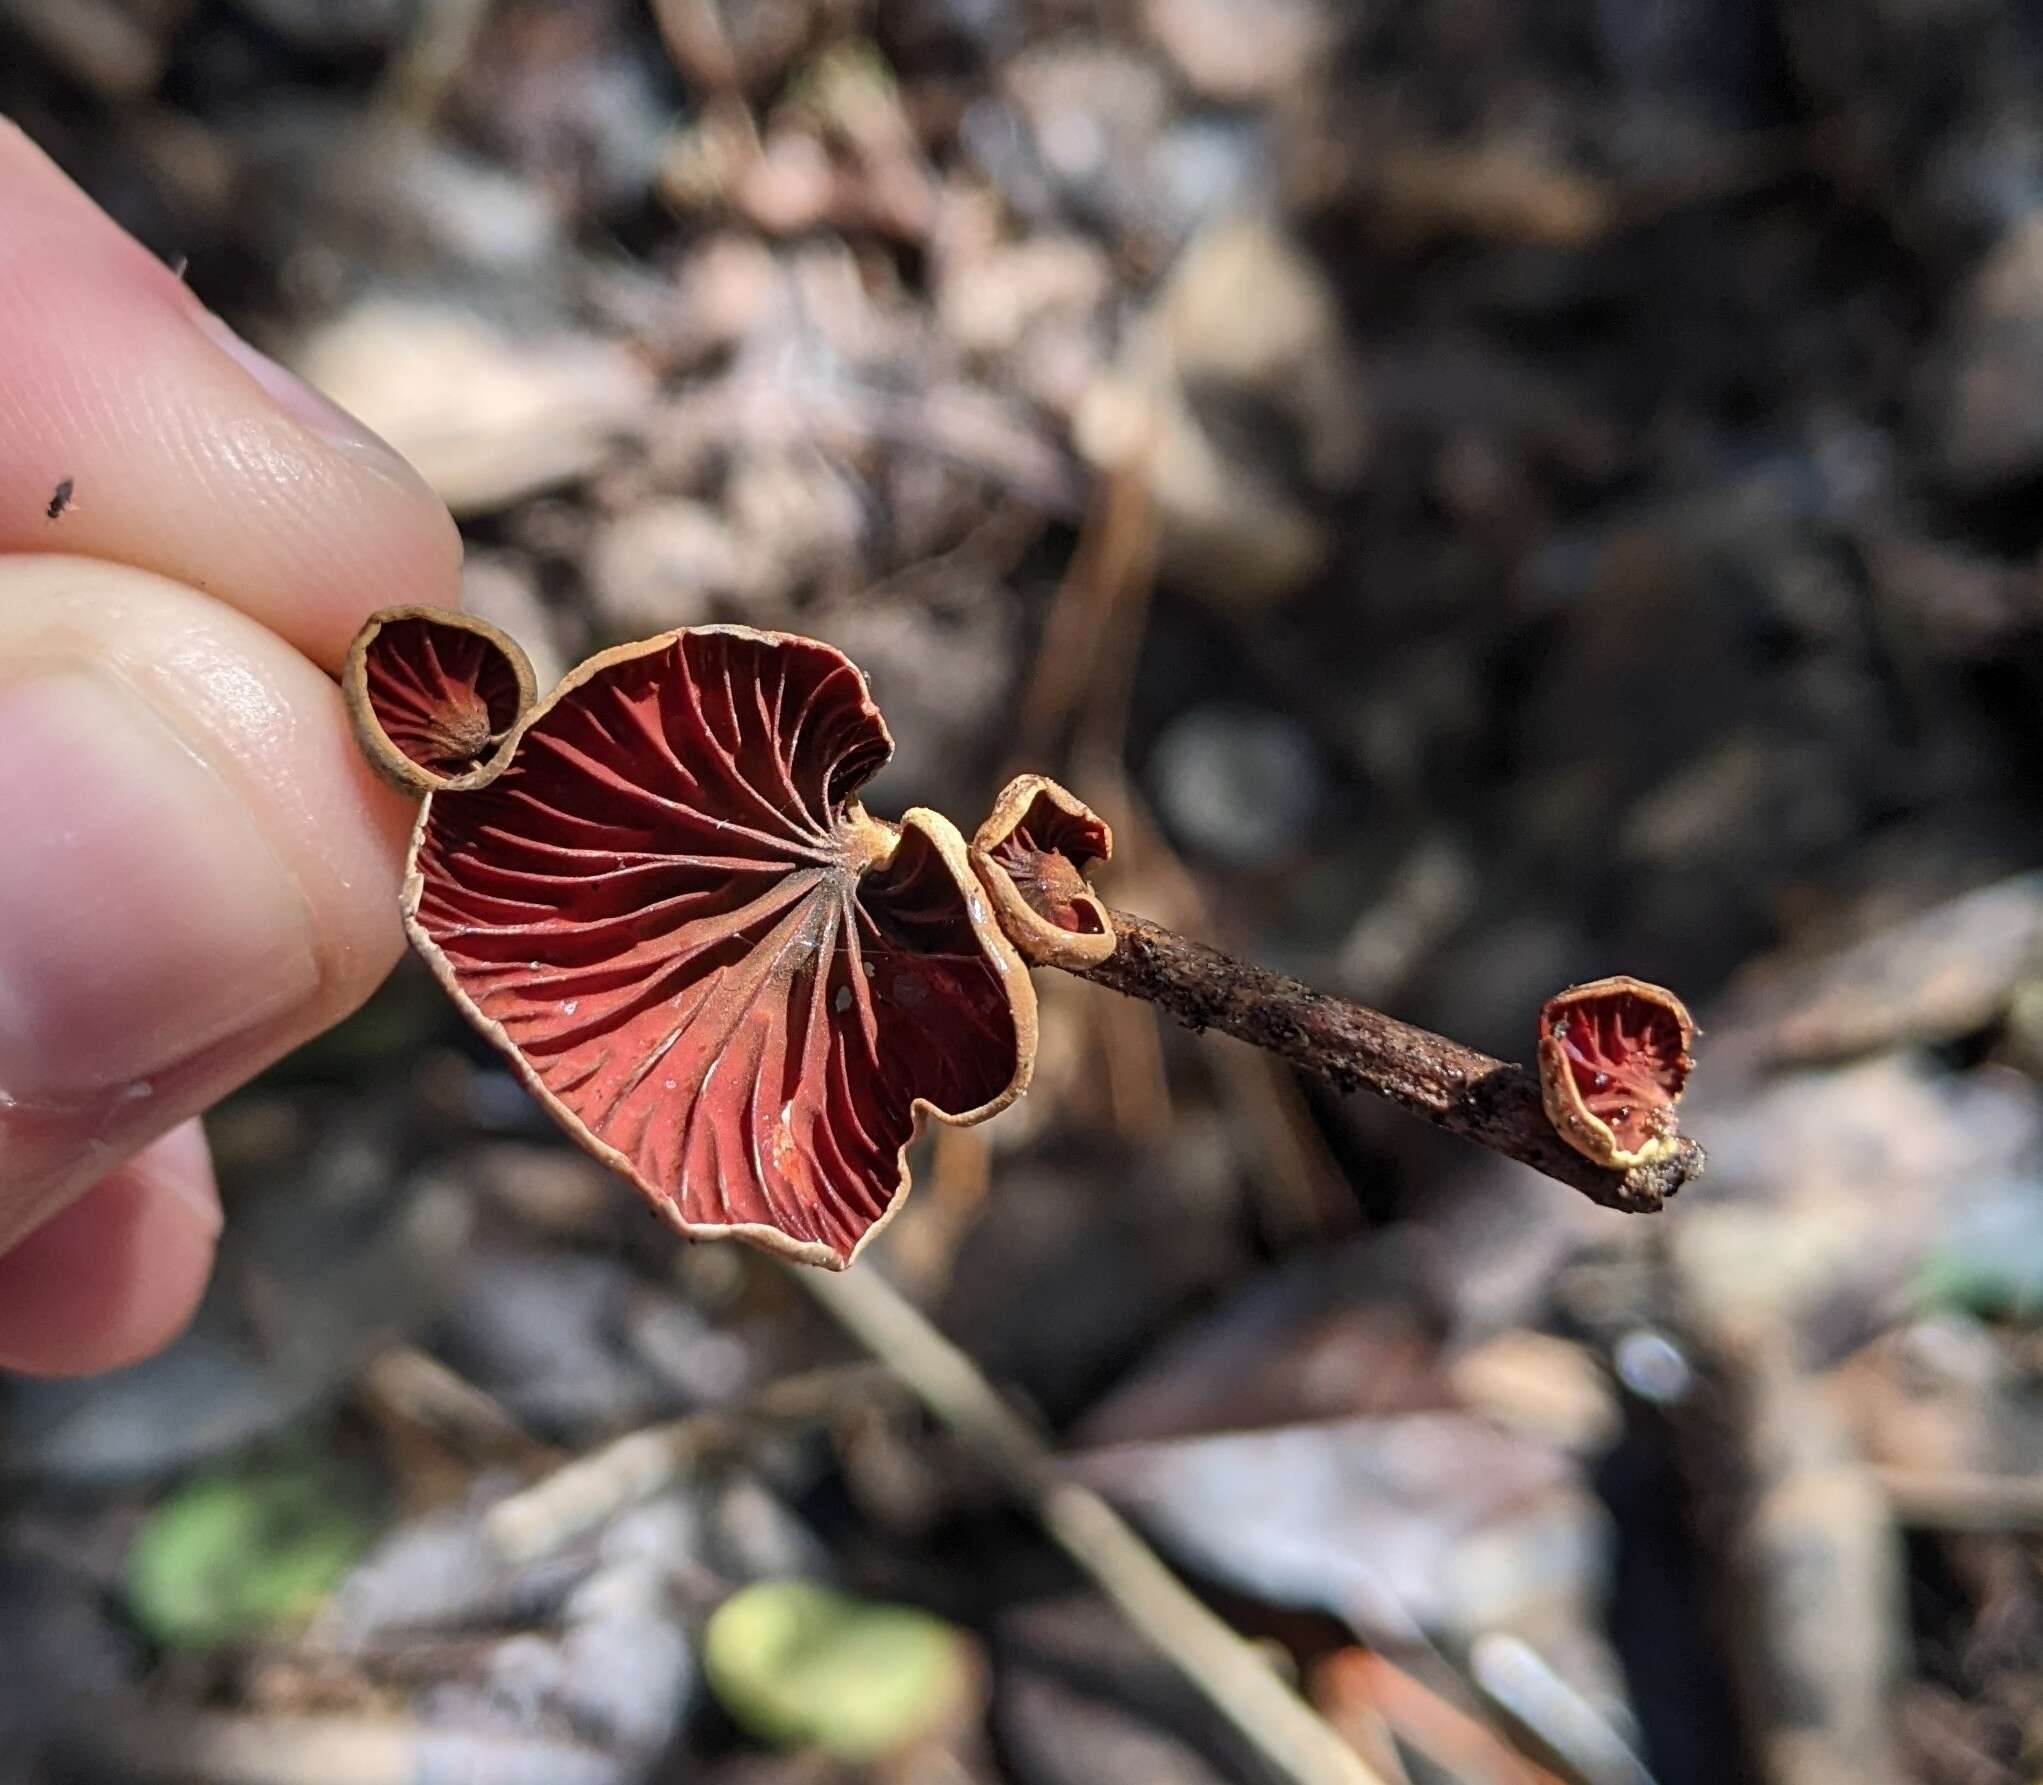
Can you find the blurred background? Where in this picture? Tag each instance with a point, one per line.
(1480, 495)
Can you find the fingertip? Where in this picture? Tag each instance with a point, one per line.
(181, 449)
(117, 1275)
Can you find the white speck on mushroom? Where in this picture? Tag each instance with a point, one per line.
(843, 999)
(568, 1005)
(786, 1155)
(670, 1084)
(977, 909)
(134, 1093)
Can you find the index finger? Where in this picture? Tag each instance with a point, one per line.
(134, 426)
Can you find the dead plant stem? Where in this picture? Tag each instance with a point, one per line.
(1283, 1728)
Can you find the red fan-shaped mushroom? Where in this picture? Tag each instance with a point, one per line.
(434, 696)
(1613, 1060)
(718, 972)
(1031, 853)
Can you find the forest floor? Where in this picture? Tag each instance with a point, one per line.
(1480, 496)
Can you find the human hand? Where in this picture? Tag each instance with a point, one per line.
(197, 872)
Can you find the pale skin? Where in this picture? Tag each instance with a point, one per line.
(197, 870)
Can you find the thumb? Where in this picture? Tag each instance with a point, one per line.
(200, 870)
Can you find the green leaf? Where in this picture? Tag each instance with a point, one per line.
(237, 1555)
(799, 1665)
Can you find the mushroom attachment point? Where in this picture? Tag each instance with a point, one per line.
(720, 975)
(1031, 854)
(1613, 1060)
(435, 697)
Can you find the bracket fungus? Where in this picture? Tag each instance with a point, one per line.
(660, 897)
(1031, 854)
(1613, 1061)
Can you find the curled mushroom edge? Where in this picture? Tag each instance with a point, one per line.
(1614, 1059)
(1031, 854)
(436, 697)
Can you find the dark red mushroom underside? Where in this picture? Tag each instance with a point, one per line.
(1042, 854)
(441, 693)
(670, 912)
(1628, 1058)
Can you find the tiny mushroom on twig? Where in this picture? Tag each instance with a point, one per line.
(1613, 1060)
(656, 892)
(434, 696)
(1031, 854)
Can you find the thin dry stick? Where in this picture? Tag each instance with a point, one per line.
(1486, 1100)
(582, 1494)
(412, 1386)
(1958, 1500)
(1232, 1677)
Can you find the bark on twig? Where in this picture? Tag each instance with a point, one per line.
(1489, 1101)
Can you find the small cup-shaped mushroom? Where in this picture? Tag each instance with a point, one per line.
(717, 972)
(435, 697)
(1031, 854)
(1613, 1061)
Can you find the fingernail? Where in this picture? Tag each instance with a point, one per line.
(305, 404)
(143, 917)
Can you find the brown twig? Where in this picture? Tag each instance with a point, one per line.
(1486, 1100)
